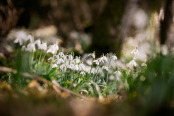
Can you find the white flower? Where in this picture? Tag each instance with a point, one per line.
(23, 48)
(77, 60)
(70, 57)
(53, 49)
(96, 62)
(20, 37)
(30, 37)
(43, 46)
(111, 77)
(81, 66)
(144, 64)
(38, 42)
(54, 66)
(105, 67)
(103, 59)
(31, 47)
(135, 52)
(82, 73)
(132, 64)
(114, 57)
(61, 54)
(89, 62)
(63, 67)
(60, 61)
(76, 67)
(71, 66)
(118, 75)
(50, 58)
(93, 55)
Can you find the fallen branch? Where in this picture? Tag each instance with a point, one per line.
(54, 84)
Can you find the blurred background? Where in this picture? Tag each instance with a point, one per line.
(92, 25)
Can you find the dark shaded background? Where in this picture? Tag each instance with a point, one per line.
(106, 20)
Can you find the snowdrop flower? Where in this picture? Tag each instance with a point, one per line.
(103, 59)
(92, 71)
(132, 64)
(54, 66)
(50, 58)
(81, 66)
(89, 62)
(114, 57)
(118, 75)
(93, 55)
(63, 67)
(105, 67)
(76, 67)
(60, 61)
(96, 62)
(61, 54)
(43, 46)
(30, 37)
(135, 52)
(38, 42)
(77, 60)
(20, 37)
(53, 49)
(111, 77)
(71, 66)
(144, 64)
(70, 57)
(31, 47)
(82, 73)
(23, 48)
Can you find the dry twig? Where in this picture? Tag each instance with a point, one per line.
(54, 84)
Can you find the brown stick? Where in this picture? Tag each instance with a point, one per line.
(54, 84)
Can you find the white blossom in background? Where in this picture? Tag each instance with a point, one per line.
(114, 57)
(132, 64)
(61, 54)
(63, 67)
(43, 46)
(76, 67)
(53, 49)
(60, 61)
(23, 48)
(89, 61)
(20, 37)
(77, 60)
(135, 52)
(31, 47)
(96, 62)
(38, 42)
(92, 55)
(71, 66)
(105, 67)
(111, 77)
(30, 37)
(82, 73)
(118, 75)
(81, 66)
(70, 57)
(54, 66)
(103, 59)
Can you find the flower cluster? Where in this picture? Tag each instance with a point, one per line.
(91, 74)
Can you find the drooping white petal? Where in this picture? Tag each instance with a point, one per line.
(53, 49)
(31, 47)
